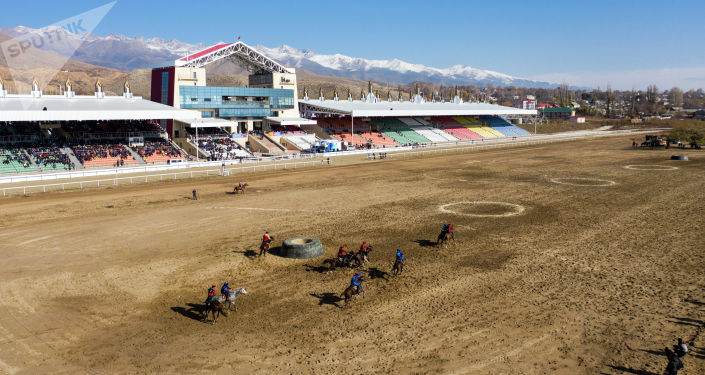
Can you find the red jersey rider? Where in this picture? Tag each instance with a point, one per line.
(266, 238)
(212, 292)
(363, 247)
(341, 253)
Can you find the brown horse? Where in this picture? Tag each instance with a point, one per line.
(362, 257)
(216, 308)
(335, 262)
(398, 267)
(444, 239)
(264, 247)
(238, 189)
(350, 291)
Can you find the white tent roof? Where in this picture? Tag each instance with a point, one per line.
(291, 121)
(359, 108)
(208, 122)
(87, 108)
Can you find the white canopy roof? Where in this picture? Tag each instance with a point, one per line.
(359, 108)
(291, 121)
(208, 122)
(87, 108)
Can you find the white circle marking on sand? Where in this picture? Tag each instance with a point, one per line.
(567, 181)
(516, 209)
(650, 167)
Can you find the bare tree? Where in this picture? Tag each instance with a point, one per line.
(675, 96)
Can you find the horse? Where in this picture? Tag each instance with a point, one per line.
(264, 247)
(444, 238)
(350, 291)
(238, 188)
(216, 308)
(398, 267)
(231, 299)
(335, 262)
(362, 257)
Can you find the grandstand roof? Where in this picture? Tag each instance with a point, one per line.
(239, 51)
(86, 108)
(208, 122)
(291, 121)
(359, 108)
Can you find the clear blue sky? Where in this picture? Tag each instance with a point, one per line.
(574, 41)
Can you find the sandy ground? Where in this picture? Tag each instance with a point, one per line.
(577, 276)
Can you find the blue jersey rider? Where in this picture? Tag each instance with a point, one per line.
(444, 230)
(400, 256)
(356, 281)
(225, 290)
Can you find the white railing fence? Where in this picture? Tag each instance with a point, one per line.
(117, 181)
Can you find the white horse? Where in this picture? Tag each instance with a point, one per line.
(232, 298)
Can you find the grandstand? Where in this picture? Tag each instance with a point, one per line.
(41, 133)
(412, 122)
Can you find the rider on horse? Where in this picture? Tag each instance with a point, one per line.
(266, 238)
(211, 293)
(363, 247)
(400, 256)
(356, 282)
(240, 185)
(225, 290)
(448, 228)
(342, 253)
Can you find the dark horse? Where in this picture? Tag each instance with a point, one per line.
(216, 308)
(398, 267)
(344, 261)
(444, 238)
(238, 189)
(350, 291)
(264, 247)
(362, 257)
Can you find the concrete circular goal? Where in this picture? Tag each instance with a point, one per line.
(302, 248)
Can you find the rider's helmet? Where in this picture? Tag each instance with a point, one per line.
(213, 285)
(357, 273)
(225, 283)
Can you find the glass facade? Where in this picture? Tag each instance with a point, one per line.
(165, 88)
(236, 101)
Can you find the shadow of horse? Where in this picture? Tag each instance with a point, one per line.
(654, 352)
(687, 322)
(425, 243)
(230, 193)
(194, 311)
(632, 371)
(695, 302)
(319, 269)
(328, 299)
(376, 273)
(248, 253)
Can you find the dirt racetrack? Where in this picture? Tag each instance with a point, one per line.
(587, 278)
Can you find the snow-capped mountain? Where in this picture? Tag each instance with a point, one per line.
(392, 71)
(112, 51)
(125, 53)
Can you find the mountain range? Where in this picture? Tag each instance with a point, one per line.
(124, 53)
